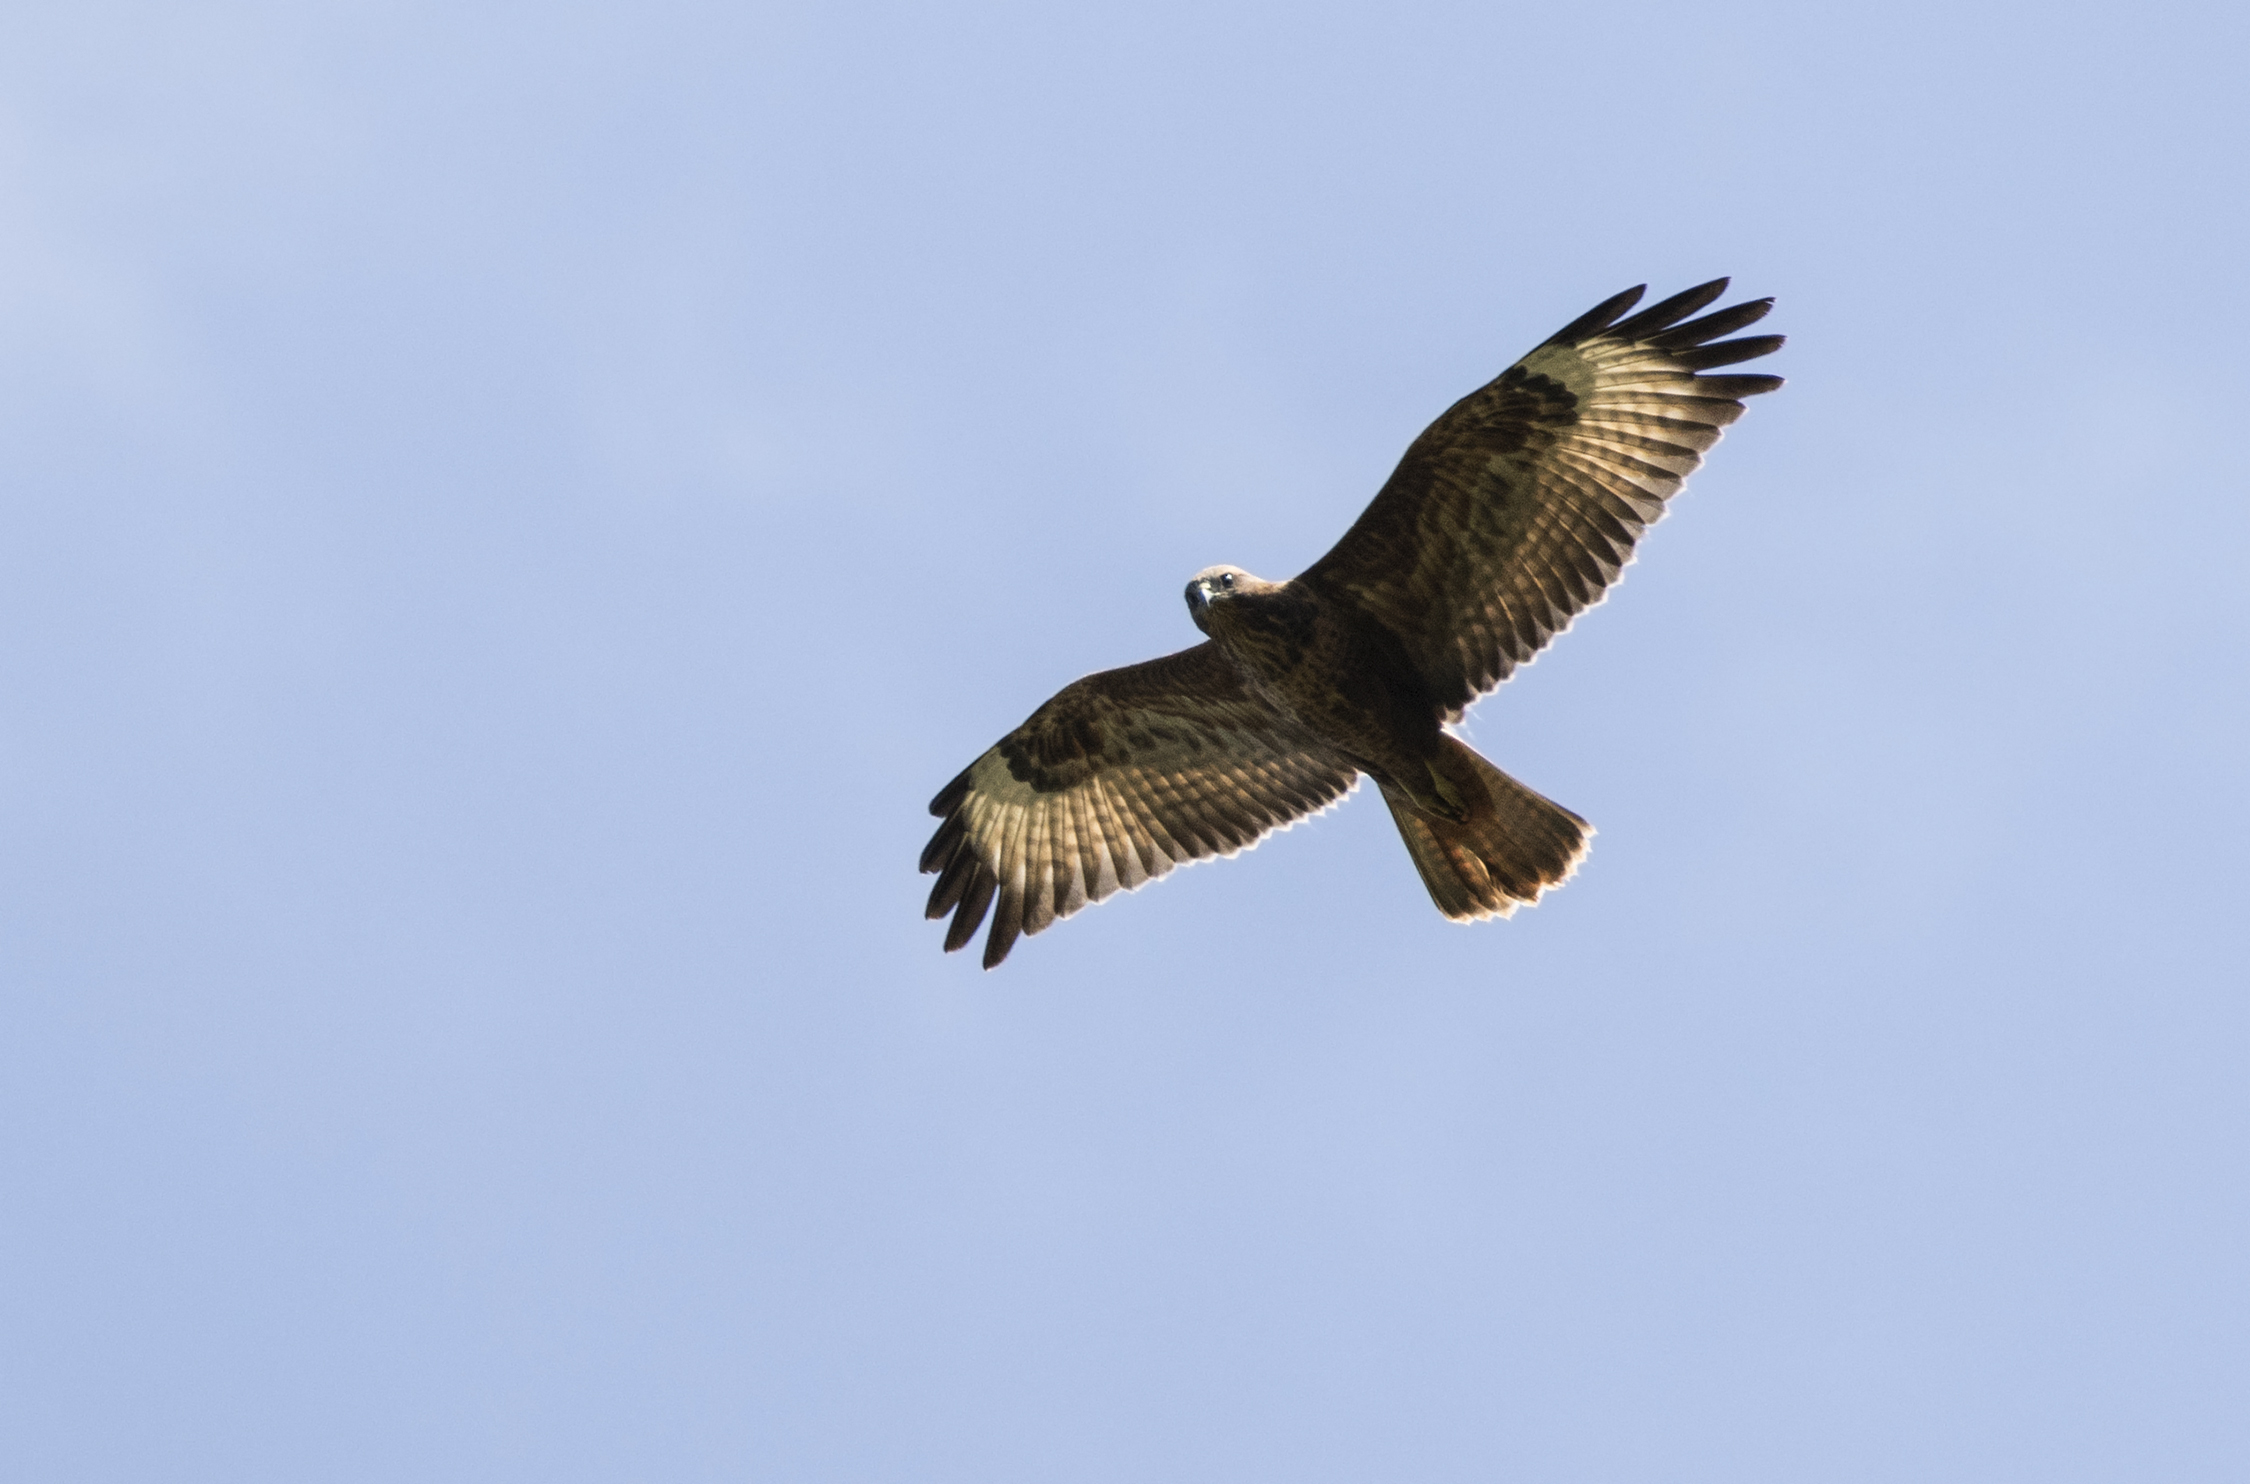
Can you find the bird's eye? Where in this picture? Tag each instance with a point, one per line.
(1227, 580)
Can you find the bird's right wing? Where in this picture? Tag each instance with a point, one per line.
(1119, 778)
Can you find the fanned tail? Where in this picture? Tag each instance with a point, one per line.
(1513, 846)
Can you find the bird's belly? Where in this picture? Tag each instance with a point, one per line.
(1362, 722)
(1339, 682)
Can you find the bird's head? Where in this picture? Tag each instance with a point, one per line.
(1218, 585)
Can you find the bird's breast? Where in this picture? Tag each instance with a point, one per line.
(1328, 667)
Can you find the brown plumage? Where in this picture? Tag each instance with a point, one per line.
(1509, 516)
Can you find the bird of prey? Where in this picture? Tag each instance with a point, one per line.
(1508, 516)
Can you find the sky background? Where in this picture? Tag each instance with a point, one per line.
(508, 513)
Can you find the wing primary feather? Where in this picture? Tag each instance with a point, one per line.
(949, 797)
(1007, 925)
(1727, 352)
(1007, 910)
(1702, 410)
(1658, 429)
(1062, 857)
(950, 884)
(1094, 851)
(1039, 869)
(1668, 312)
(1073, 889)
(1737, 386)
(1597, 318)
(970, 915)
(1006, 928)
(1712, 326)
(944, 845)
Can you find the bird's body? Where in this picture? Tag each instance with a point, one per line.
(1315, 657)
(1509, 515)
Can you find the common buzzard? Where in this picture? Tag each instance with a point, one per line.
(1508, 516)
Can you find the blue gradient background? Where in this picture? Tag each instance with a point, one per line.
(507, 514)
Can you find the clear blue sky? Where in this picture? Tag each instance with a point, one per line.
(508, 513)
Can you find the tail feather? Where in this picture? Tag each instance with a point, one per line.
(1513, 846)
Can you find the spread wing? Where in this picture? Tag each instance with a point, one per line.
(1118, 779)
(1520, 506)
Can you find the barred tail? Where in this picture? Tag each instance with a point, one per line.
(1513, 846)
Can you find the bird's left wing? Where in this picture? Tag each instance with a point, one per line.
(1520, 506)
(1119, 778)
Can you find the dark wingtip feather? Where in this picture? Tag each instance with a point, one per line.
(944, 845)
(1006, 927)
(1599, 317)
(1728, 352)
(969, 916)
(1664, 315)
(1712, 326)
(1736, 386)
(950, 884)
(949, 798)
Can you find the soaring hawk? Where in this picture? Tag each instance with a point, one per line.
(1511, 514)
